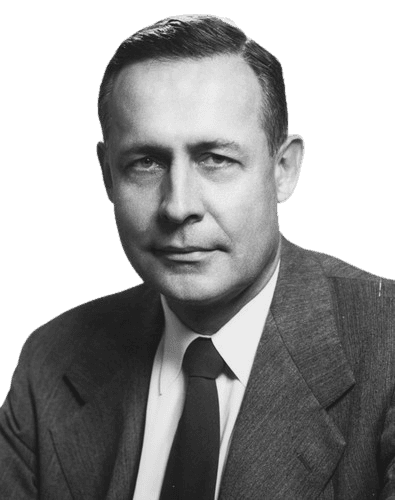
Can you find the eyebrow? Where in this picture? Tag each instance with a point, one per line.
(157, 150)
(146, 149)
(216, 144)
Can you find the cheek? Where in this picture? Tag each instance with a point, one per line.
(134, 212)
(251, 212)
(131, 228)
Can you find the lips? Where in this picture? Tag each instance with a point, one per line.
(190, 253)
(182, 249)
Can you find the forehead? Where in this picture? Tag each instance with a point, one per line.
(187, 93)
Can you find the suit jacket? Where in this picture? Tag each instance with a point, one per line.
(317, 420)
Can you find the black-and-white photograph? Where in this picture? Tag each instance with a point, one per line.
(198, 271)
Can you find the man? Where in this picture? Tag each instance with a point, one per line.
(104, 402)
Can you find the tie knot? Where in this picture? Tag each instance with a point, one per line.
(202, 359)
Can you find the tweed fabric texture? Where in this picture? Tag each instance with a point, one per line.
(317, 420)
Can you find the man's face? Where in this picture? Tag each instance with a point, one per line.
(191, 178)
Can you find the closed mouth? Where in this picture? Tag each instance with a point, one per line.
(181, 250)
(183, 254)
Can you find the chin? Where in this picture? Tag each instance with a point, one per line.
(187, 290)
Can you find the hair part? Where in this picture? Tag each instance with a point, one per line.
(196, 37)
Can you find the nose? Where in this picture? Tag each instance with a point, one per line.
(181, 196)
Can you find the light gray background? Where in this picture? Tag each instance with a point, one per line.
(59, 242)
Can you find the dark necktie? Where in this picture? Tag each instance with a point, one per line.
(191, 471)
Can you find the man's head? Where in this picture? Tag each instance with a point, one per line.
(194, 176)
(197, 37)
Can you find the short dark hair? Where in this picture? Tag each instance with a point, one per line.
(196, 37)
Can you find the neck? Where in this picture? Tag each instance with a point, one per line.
(207, 319)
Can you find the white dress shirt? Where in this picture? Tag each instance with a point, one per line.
(237, 342)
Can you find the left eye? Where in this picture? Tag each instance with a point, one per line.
(214, 161)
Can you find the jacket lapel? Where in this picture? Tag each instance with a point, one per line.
(99, 444)
(285, 445)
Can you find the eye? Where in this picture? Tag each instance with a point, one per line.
(212, 160)
(146, 164)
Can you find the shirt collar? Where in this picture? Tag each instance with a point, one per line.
(236, 341)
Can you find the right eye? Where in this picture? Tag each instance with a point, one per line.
(146, 164)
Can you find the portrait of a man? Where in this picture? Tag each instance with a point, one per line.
(243, 367)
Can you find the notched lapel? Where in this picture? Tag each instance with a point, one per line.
(285, 445)
(98, 442)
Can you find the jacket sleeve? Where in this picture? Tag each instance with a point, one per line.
(387, 454)
(18, 467)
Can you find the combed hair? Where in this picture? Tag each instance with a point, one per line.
(196, 37)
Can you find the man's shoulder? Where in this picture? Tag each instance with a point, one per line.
(346, 279)
(362, 304)
(337, 269)
(61, 339)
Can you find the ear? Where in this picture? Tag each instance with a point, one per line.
(105, 168)
(287, 166)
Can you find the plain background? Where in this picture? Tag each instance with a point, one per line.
(59, 242)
